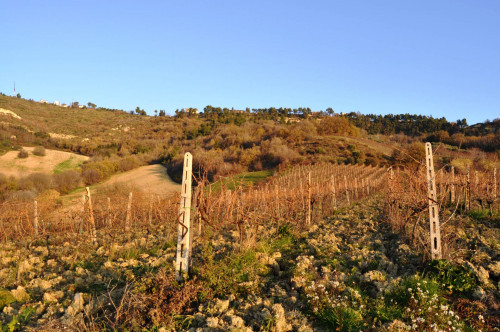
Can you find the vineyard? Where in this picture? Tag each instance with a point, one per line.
(313, 247)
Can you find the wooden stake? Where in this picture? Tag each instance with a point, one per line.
(308, 217)
(495, 183)
(150, 214)
(346, 190)
(35, 219)
(452, 192)
(467, 192)
(93, 231)
(129, 212)
(184, 228)
(334, 195)
(433, 205)
(109, 212)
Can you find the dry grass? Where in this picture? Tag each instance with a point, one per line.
(10, 164)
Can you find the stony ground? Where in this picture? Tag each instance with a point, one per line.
(349, 272)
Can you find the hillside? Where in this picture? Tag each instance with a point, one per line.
(223, 142)
(52, 161)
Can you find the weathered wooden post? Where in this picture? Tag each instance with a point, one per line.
(495, 183)
(184, 238)
(150, 212)
(35, 219)
(346, 190)
(334, 194)
(108, 218)
(433, 205)
(93, 231)
(452, 189)
(467, 192)
(308, 217)
(129, 212)
(391, 179)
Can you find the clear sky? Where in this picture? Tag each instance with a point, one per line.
(439, 57)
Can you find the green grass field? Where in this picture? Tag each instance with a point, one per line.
(242, 179)
(70, 163)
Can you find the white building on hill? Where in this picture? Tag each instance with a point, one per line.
(57, 103)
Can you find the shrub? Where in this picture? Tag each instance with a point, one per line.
(66, 181)
(39, 151)
(91, 176)
(129, 163)
(36, 181)
(22, 154)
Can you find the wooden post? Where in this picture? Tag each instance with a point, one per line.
(334, 194)
(150, 214)
(91, 217)
(433, 205)
(308, 217)
(108, 221)
(129, 212)
(495, 183)
(184, 228)
(452, 189)
(346, 190)
(35, 220)
(391, 180)
(467, 191)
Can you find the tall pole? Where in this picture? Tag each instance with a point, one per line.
(433, 205)
(184, 228)
(93, 231)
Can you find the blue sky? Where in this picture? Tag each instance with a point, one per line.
(439, 58)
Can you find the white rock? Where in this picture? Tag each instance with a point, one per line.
(53, 297)
(212, 322)
(280, 320)
(20, 294)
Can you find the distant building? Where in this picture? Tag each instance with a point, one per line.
(81, 106)
(57, 103)
(65, 105)
(43, 101)
(292, 120)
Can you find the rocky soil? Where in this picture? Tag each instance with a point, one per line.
(348, 272)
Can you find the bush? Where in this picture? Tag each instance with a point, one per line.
(38, 182)
(128, 163)
(22, 154)
(66, 181)
(39, 151)
(91, 176)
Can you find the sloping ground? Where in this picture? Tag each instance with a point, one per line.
(8, 112)
(10, 164)
(349, 272)
(385, 149)
(151, 179)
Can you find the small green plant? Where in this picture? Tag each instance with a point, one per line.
(225, 276)
(418, 302)
(481, 214)
(6, 298)
(456, 278)
(19, 320)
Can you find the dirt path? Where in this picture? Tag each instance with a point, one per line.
(10, 164)
(150, 179)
